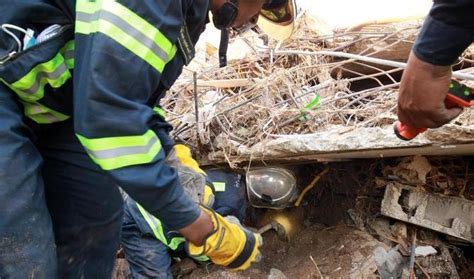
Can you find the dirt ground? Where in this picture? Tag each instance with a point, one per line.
(339, 226)
(313, 252)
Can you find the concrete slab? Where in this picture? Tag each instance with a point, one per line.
(449, 215)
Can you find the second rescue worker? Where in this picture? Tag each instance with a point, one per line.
(79, 84)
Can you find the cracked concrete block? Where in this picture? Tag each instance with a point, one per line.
(449, 215)
(389, 264)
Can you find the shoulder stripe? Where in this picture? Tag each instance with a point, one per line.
(126, 28)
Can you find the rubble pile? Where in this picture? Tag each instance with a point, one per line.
(302, 95)
(372, 218)
(348, 232)
(419, 208)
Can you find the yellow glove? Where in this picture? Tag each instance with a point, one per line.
(229, 244)
(183, 153)
(193, 178)
(208, 195)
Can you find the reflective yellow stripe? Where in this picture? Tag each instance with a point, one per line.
(42, 114)
(30, 87)
(157, 228)
(68, 53)
(117, 152)
(202, 258)
(154, 223)
(219, 186)
(175, 242)
(161, 112)
(126, 28)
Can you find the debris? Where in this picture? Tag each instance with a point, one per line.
(356, 218)
(450, 177)
(464, 263)
(183, 267)
(411, 170)
(439, 266)
(427, 276)
(276, 274)
(214, 272)
(411, 265)
(320, 247)
(381, 227)
(396, 233)
(121, 269)
(316, 266)
(344, 251)
(389, 264)
(454, 273)
(399, 230)
(425, 251)
(280, 82)
(449, 215)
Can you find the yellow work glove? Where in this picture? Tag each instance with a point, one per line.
(230, 244)
(183, 153)
(192, 176)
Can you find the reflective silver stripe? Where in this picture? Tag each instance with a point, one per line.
(35, 108)
(51, 75)
(126, 27)
(68, 54)
(123, 151)
(152, 220)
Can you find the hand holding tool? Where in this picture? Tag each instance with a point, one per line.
(459, 96)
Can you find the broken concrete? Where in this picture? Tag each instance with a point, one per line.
(389, 264)
(340, 142)
(425, 251)
(448, 215)
(412, 170)
(440, 266)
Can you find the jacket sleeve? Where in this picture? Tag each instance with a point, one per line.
(122, 49)
(448, 30)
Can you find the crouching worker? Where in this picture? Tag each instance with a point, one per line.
(150, 246)
(81, 82)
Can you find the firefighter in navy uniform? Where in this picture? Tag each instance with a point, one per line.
(79, 84)
(149, 245)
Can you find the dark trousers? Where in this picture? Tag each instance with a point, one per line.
(60, 215)
(147, 256)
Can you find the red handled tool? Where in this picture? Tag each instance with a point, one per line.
(459, 95)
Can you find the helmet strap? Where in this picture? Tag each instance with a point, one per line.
(223, 47)
(225, 16)
(223, 19)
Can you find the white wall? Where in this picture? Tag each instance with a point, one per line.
(346, 13)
